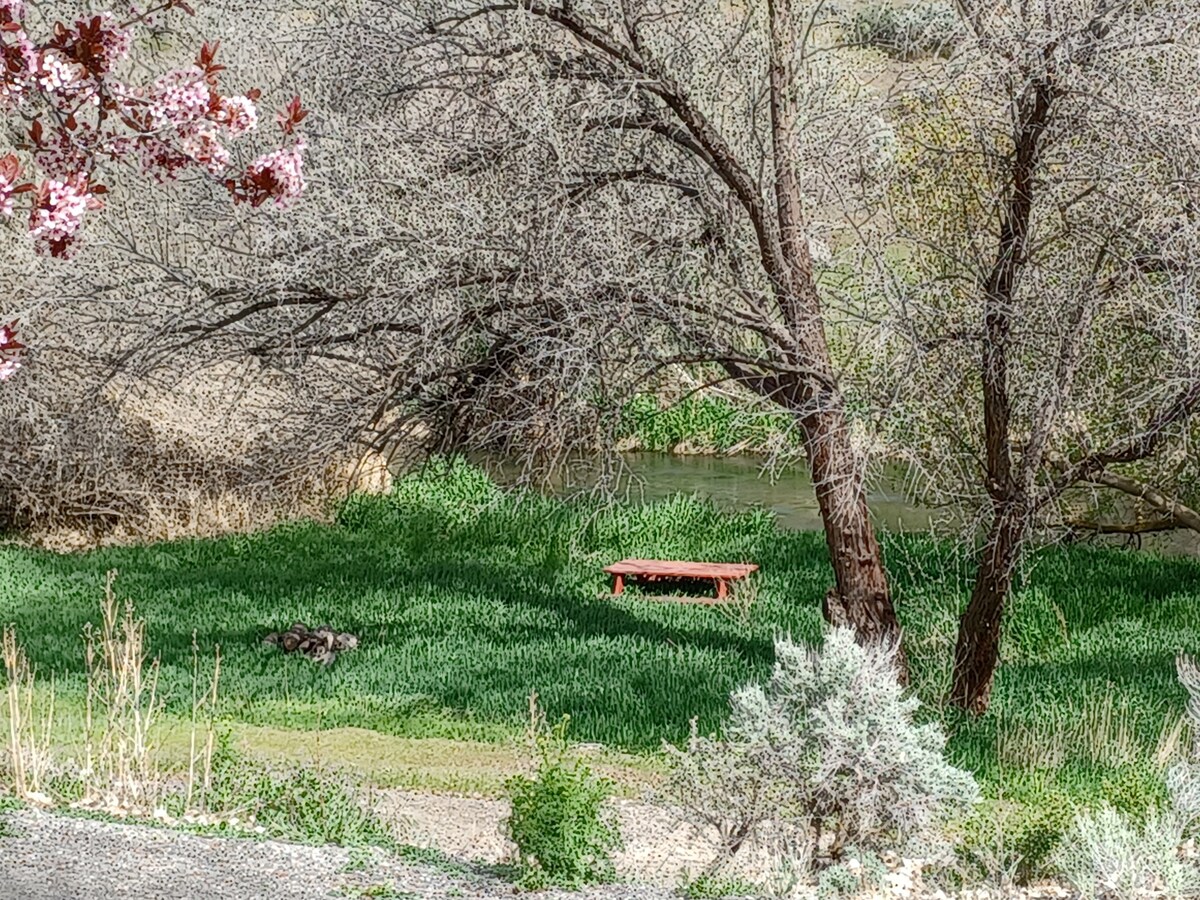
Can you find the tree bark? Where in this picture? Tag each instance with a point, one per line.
(977, 651)
(978, 647)
(860, 597)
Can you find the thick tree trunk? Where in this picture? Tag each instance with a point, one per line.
(977, 652)
(860, 597)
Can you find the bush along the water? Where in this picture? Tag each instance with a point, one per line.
(701, 424)
(564, 835)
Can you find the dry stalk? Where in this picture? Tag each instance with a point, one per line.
(204, 710)
(120, 773)
(28, 738)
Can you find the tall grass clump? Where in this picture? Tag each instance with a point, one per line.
(122, 707)
(824, 757)
(1108, 853)
(30, 723)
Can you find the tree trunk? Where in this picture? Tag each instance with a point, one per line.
(860, 597)
(978, 649)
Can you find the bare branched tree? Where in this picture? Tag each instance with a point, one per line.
(520, 213)
(1051, 213)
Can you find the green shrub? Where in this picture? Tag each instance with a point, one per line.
(921, 28)
(702, 423)
(1136, 791)
(8, 804)
(1010, 840)
(836, 882)
(716, 887)
(558, 823)
(296, 803)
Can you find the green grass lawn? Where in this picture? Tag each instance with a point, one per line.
(467, 599)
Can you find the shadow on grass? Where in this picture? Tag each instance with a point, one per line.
(462, 621)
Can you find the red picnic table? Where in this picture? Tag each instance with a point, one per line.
(657, 569)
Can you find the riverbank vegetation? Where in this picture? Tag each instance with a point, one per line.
(703, 424)
(467, 598)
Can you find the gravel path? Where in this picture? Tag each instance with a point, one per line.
(657, 846)
(49, 857)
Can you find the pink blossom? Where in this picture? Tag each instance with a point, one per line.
(115, 41)
(56, 73)
(159, 159)
(8, 185)
(178, 98)
(58, 213)
(199, 142)
(76, 114)
(19, 61)
(9, 348)
(278, 175)
(239, 115)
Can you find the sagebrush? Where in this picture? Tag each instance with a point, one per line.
(827, 753)
(1115, 854)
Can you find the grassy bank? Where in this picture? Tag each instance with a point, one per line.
(467, 599)
(702, 424)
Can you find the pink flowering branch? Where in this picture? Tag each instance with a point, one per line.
(10, 350)
(81, 117)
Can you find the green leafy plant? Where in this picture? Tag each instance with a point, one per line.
(380, 891)
(707, 886)
(1137, 791)
(836, 882)
(1010, 840)
(300, 804)
(563, 834)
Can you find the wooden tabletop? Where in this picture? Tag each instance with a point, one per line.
(680, 569)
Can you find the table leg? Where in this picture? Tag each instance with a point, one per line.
(721, 589)
(618, 584)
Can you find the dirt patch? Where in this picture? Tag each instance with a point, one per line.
(658, 847)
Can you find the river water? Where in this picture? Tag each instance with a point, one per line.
(739, 482)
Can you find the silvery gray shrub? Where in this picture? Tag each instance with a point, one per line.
(1106, 855)
(824, 756)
